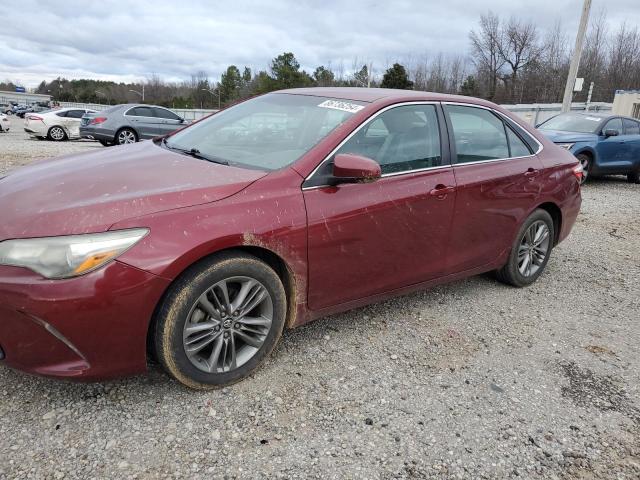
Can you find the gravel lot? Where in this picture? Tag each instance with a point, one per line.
(468, 380)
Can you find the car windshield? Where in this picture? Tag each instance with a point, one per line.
(572, 122)
(267, 132)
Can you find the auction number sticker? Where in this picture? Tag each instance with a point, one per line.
(344, 106)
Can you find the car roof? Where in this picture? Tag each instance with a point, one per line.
(374, 94)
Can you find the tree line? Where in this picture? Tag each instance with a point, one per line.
(509, 61)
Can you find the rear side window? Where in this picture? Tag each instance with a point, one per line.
(401, 139)
(517, 148)
(478, 134)
(62, 114)
(631, 127)
(141, 112)
(75, 113)
(162, 113)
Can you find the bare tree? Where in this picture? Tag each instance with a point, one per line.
(485, 51)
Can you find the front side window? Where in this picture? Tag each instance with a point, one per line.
(164, 113)
(268, 132)
(613, 124)
(401, 139)
(631, 127)
(478, 134)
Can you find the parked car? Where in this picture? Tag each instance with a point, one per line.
(129, 123)
(23, 111)
(204, 245)
(604, 144)
(57, 125)
(5, 123)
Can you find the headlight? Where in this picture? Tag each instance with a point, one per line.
(70, 256)
(566, 146)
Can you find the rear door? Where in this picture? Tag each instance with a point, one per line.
(144, 121)
(371, 238)
(495, 171)
(168, 121)
(72, 121)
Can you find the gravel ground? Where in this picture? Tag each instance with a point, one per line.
(468, 380)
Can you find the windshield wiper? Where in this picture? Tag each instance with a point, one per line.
(195, 153)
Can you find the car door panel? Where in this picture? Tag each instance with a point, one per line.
(491, 202)
(612, 151)
(371, 238)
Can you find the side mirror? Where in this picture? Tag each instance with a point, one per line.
(610, 133)
(350, 168)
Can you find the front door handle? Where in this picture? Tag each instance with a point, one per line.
(441, 191)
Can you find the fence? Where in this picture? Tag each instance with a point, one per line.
(533, 114)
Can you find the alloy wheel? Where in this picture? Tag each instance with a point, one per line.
(585, 162)
(534, 248)
(126, 136)
(57, 133)
(228, 324)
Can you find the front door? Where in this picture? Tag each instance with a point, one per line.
(371, 238)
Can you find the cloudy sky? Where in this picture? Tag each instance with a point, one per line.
(126, 40)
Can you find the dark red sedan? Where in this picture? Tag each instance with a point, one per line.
(201, 247)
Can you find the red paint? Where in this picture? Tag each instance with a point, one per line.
(345, 245)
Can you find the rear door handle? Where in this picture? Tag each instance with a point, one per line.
(531, 172)
(441, 191)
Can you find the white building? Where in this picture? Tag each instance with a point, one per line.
(627, 102)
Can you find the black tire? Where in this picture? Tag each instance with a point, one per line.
(510, 273)
(634, 177)
(180, 303)
(57, 134)
(586, 162)
(123, 133)
(105, 143)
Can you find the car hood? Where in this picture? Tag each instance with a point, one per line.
(558, 136)
(89, 192)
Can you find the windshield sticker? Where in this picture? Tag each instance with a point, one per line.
(344, 106)
(593, 119)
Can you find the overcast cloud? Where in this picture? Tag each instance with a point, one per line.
(124, 40)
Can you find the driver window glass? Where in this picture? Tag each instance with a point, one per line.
(401, 139)
(162, 113)
(613, 124)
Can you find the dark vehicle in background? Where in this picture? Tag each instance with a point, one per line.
(129, 123)
(605, 144)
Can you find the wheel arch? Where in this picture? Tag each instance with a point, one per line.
(66, 132)
(556, 214)
(589, 151)
(123, 127)
(271, 258)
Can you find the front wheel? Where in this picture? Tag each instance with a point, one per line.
(530, 251)
(220, 320)
(585, 161)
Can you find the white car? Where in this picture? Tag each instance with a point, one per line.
(60, 124)
(5, 123)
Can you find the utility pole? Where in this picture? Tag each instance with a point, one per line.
(575, 60)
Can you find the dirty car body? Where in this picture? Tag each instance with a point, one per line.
(447, 201)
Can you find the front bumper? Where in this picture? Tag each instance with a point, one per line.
(88, 328)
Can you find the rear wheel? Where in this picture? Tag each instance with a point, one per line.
(530, 251)
(125, 136)
(585, 161)
(220, 321)
(57, 134)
